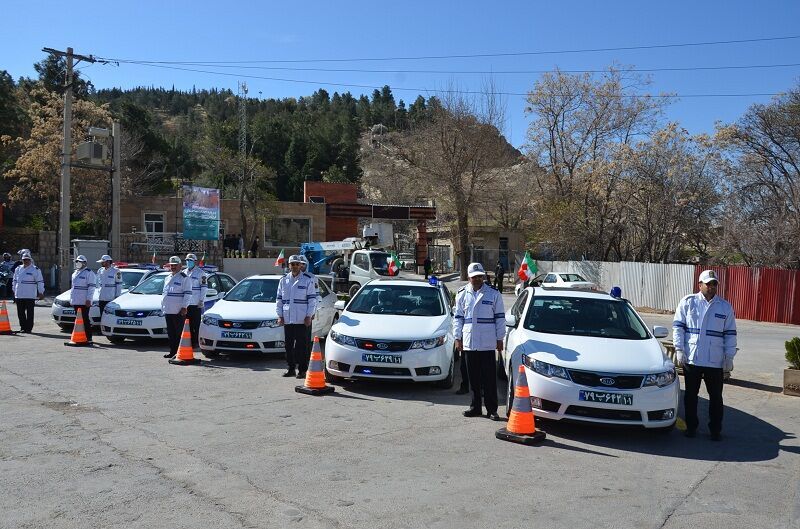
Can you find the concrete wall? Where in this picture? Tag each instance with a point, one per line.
(241, 268)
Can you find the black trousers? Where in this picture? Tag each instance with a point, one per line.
(296, 338)
(692, 376)
(464, 371)
(87, 323)
(498, 282)
(102, 305)
(25, 314)
(193, 313)
(174, 331)
(482, 378)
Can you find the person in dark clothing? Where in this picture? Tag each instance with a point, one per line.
(254, 247)
(499, 272)
(428, 266)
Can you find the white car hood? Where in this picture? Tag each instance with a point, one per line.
(606, 355)
(139, 301)
(64, 296)
(243, 310)
(391, 327)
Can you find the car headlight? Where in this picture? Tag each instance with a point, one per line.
(269, 323)
(659, 379)
(428, 344)
(342, 339)
(61, 302)
(110, 308)
(157, 313)
(545, 369)
(211, 319)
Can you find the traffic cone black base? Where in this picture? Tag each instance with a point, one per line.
(192, 362)
(76, 344)
(314, 391)
(537, 437)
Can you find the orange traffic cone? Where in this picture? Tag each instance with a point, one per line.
(185, 356)
(315, 378)
(521, 427)
(5, 325)
(78, 338)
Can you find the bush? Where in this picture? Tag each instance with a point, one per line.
(793, 352)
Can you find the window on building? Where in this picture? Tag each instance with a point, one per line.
(154, 222)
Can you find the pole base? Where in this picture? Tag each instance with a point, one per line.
(78, 344)
(535, 438)
(192, 362)
(314, 391)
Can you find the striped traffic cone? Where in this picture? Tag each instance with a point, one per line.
(521, 427)
(315, 378)
(185, 356)
(78, 338)
(5, 325)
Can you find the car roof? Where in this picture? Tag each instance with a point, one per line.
(571, 292)
(402, 282)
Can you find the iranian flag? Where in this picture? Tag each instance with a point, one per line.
(153, 259)
(203, 259)
(281, 260)
(527, 270)
(394, 269)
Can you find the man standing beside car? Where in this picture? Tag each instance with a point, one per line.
(479, 329)
(27, 285)
(82, 293)
(704, 336)
(199, 281)
(295, 305)
(175, 300)
(110, 282)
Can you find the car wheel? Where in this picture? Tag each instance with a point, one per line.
(501, 372)
(353, 289)
(116, 339)
(509, 392)
(447, 383)
(333, 379)
(64, 327)
(209, 354)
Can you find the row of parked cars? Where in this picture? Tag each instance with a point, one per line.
(587, 356)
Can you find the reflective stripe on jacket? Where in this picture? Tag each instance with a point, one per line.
(27, 282)
(480, 319)
(176, 294)
(296, 299)
(83, 285)
(110, 283)
(704, 331)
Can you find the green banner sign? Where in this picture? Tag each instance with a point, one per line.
(200, 213)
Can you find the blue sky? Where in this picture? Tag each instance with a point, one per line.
(203, 30)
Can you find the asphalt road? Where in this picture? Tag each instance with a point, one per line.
(114, 436)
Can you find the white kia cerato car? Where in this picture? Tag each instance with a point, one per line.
(589, 357)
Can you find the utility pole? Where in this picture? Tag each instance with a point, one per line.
(66, 155)
(116, 246)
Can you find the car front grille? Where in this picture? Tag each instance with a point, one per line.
(127, 330)
(603, 413)
(131, 313)
(238, 345)
(383, 371)
(586, 378)
(230, 324)
(382, 346)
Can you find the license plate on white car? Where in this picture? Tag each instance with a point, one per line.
(235, 334)
(602, 397)
(131, 323)
(381, 358)
(68, 312)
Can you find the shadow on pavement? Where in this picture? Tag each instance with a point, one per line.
(245, 360)
(753, 385)
(405, 390)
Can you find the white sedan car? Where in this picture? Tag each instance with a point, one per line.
(555, 279)
(245, 319)
(64, 314)
(394, 329)
(589, 357)
(138, 314)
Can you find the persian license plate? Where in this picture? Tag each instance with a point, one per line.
(382, 358)
(237, 334)
(130, 323)
(625, 399)
(68, 312)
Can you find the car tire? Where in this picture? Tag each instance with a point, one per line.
(509, 392)
(333, 379)
(447, 383)
(209, 354)
(353, 289)
(116, 340)
(64, 327)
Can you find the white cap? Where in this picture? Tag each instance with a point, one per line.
(81, 258)
(26, 255)
(303, 258)
(295, 259)
(174, 260)
(475, 269)
(191, 256)
(707, 276)
(104, 259)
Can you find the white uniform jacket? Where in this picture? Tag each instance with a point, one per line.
(83, 285)
(176, 294)
(110, 283)
(480, 319)
(27, 282)
(704, 330)
(297, 298)
(199, 281)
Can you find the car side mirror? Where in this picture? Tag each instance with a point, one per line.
(511, 320)
(339, 305)
(211, 292)
(660, 332)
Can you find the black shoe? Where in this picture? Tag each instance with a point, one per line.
(716, 436)
(289, 373)
(690, 433)
(493, 416)
(472, 413)
(462, 391)
(169, 355)
(300, 374)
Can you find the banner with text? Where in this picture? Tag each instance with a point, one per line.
(200, 213)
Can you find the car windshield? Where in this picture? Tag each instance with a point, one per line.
(263, 290)
(130, 279)
(151, 285)
(571, 277)
(585, 317)
(398, 299)
(380, 262)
